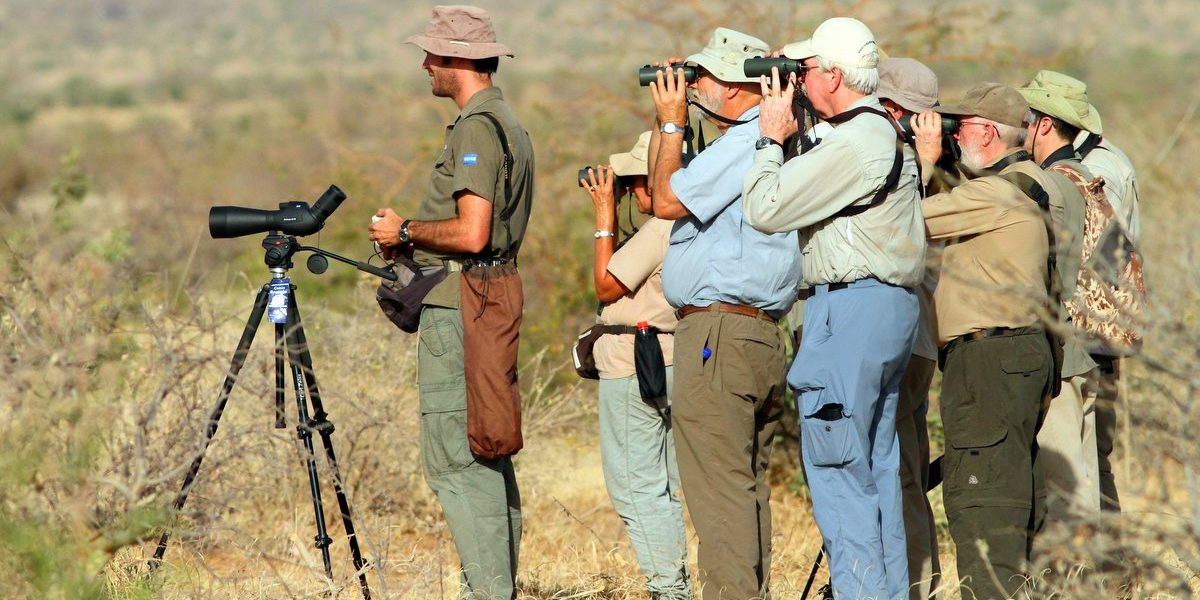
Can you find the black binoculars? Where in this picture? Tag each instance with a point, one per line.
(648, 73)
(950, 124)
(754, 67)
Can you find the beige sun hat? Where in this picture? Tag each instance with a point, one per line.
(843, 40)
(725, 53)
(461, 31)
(992, 101)
(909, 83)
(1063, 97)
(633, 162)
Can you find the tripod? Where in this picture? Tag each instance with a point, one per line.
(289, 340)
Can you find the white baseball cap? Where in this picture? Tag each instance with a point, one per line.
(845, 41)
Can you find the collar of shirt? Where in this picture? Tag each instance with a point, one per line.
(1066, 152)
(478, 100)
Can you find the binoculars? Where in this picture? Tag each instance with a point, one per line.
(648, 73)
(950, 124)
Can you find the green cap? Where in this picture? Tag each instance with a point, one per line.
(992, 101)
(1063, 97)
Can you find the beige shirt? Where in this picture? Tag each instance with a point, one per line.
(638, 266)
(846, 168)
(993, 270)
(1120, 184)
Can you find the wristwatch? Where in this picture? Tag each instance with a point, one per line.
(766, 141)
(601, 233)
(672, 128)
(404, 231)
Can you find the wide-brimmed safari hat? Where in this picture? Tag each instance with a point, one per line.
(909, 83)
(992, 101)
(1063, 97)
(725, 53)
(460, 31)
(633, 162)
(845, 41)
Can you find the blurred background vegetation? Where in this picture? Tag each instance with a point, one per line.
(123, 121)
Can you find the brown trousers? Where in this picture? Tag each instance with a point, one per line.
(724, 412)
(919, 529)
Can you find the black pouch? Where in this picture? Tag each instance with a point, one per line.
(401, 300)
(649, 363)
(581, 352)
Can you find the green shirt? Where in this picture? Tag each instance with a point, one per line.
(472, 160)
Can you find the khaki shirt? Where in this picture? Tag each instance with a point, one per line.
(849, 165)
(993, 270)
(472, 160)
(1120, 185)
(638, 266)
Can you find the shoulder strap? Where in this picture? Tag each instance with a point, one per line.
(893, 177)
(1091, 142)
(510, 207)
(1034, 191)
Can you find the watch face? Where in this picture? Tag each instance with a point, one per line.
(671, 128)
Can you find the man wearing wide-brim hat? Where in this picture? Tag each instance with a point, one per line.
(471, 222)
(731, 284)
(1059, 112)
(996, 358)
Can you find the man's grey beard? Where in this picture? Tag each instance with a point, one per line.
(715, 104)
(971, 158)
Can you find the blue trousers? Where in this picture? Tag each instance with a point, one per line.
(856, 343)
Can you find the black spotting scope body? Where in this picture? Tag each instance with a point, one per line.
(292, 218)
(648, 73)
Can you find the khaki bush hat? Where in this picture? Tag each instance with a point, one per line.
(634, 161)
(460, 31)
(992, 101)
(843, 40)
(1064, 97)
(909, 83)
(725, 53)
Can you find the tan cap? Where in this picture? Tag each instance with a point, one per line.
(992, 101)
(725, 53)
(634, 161)
(460, 31)
(1064, 97)
(843, 40)
(909, 83)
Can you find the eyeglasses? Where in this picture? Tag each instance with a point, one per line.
(962, 124)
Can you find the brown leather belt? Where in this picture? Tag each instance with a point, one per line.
(724, 307)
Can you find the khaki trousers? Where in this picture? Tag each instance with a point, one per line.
(1068, 444)
(919, 529)
(724, 411)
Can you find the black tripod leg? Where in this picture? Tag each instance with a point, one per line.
(812, 575)
(305, 432)
(214, 418)
(321, 424)
(280, 383)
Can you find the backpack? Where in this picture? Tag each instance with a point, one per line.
(1110, 294)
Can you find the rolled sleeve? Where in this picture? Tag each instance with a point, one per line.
(477, 158)
(642, 255)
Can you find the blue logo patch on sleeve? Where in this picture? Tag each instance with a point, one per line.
(470, 159)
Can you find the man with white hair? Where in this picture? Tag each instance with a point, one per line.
(997, 362)
(730, 284)
(854, 200)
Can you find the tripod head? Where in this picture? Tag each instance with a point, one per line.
(280, 248)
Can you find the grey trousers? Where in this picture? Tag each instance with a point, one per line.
(637, 451)
(919, 530)
(479, 497)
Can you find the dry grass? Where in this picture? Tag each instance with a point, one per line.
(118, 314)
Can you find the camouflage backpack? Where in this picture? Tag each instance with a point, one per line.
(1110, 294)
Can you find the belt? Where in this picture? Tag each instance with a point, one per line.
(992, 332)
(724, 307)
(472, 263)
(452, 266)
(825, 288)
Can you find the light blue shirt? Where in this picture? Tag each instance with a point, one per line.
(713, 255)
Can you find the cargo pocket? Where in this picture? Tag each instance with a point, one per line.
(1024, 364)
(827, 431)
(976, 464)
(444, 446)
